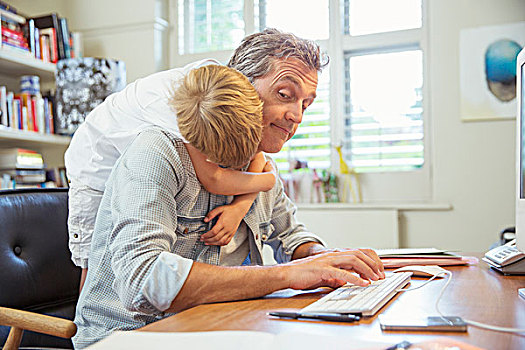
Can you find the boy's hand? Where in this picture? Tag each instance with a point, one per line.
(268, 168)
(225, 227)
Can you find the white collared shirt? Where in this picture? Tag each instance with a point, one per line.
(111, 126)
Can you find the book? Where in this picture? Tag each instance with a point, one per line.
(26, 176)
(415, 252)
(13, 34)
(3, 106)
(393, 258)
(57, 176)
(65, 37)
(78, 49)
(52, 21)
(37, 44)
(53, 51)
(45, 52)
(20, 158)
(16, 48)
(30, 34)
(10, 111)
(17, 111)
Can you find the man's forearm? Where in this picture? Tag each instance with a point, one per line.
(210, 283)
(307, 249)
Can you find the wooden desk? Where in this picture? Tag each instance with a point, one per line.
(476, 293)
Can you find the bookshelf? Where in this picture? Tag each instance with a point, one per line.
(13, 65)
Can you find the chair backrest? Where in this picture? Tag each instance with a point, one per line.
(37, 273)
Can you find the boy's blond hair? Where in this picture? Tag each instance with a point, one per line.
(220, 114)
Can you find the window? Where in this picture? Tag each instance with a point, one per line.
(371, 100)
(206, 25)
(297, 16)
(383, 124)
(383, 119)
(378, 16)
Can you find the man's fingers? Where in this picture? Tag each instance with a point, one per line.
(372, 254)
(357, 261)
(340, 277)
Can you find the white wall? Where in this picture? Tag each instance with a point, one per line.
(135, 32)
(472, 163)
(132, 31)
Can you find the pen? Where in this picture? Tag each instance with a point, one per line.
(334, 317)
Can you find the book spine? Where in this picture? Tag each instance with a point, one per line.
(77, 44)
(13, 34)
(15, 42)
(17, 113)
(45, 48)
(10, 112)
(3, 106)
(25, 123)
(31, 36)
(51, 118)
(16, 48)
(65, 37)
(41, 122)
(34, 113)
(53, 46)
(60, 40)
(37, 44)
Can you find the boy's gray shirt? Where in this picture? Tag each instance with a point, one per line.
(147, 236)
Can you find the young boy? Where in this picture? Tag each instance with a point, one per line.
(217, 109)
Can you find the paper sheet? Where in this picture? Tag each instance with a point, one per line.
(227, 340)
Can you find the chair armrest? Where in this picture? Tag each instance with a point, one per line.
(31, 321)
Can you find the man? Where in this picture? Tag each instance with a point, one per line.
(147, 258)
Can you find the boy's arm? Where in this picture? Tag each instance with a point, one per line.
(228, 182)
(232, 214)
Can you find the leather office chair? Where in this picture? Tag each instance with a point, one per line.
(37, 275)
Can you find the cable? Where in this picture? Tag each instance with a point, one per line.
(469, 322)
(424, 284)
(494, 328)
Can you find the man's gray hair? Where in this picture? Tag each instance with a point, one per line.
(257, 53)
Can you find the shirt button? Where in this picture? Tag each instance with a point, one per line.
(75, 235)
(185, 230)
(17, 250)
(264, 237)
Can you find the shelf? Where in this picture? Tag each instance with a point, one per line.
(19, 138)
(17, 64)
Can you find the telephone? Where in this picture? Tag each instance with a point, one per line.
(506, 259)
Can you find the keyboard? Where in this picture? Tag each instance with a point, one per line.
(365, 301)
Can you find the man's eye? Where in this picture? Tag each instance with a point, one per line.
(283, 95)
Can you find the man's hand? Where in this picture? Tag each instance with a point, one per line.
(230, 217)
(335, 268)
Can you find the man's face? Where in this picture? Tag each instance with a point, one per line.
(286, 92)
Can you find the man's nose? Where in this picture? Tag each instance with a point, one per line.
(295, 114)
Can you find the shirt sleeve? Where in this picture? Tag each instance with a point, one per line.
(288, 233)
(143, 210)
